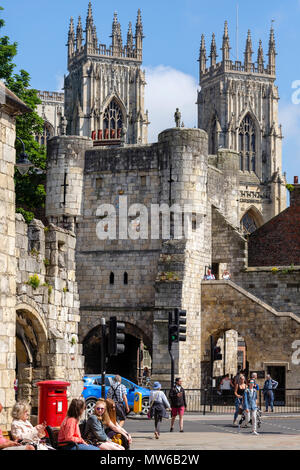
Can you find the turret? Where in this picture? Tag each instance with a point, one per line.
(79, 35)
(213, 52)
(248, 53)
(272, 53)
(71, 39)
(226, 45)
(202, 56)
(139, 36)
(260, 58)
(115, 35)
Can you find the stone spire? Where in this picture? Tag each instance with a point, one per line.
(260, 58)
(79, 35)
(248, 53)
(71, 39)
(129, 40)
(95, 38)
(226, 45)
(213, 52)
(114, 34)
(139, 35)
(120, 41)
(272, 53)
(89, 29)
(202, 56)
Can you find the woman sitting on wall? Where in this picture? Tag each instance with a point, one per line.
(21, 428)
(69, 429)
(94, 431)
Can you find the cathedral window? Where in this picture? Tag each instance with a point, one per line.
(247, 145)
(248, 224)
(112, 121)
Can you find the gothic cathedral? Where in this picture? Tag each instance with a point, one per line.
(238, 108)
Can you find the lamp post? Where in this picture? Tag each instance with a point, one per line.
(23, 164)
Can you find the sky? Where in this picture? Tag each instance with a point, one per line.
(172, 30)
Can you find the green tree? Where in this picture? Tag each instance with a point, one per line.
(30, 188)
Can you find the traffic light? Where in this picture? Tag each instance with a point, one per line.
(180, 320)
(116, 337)
(217, 353)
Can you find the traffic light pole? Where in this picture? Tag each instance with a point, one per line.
(170, 351)
(103, 355)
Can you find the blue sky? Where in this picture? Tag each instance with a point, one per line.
(173, 30)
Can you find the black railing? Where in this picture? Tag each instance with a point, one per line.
(216, 402)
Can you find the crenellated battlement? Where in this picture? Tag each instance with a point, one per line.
(133, 50)
(226, 65)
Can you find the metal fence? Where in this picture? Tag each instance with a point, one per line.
(213, 401)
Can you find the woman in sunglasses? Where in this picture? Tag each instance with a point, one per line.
(94, 432)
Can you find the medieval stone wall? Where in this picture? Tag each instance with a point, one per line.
(47, 309)
(7, 263)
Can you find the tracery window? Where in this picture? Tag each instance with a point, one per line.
(45, 136)
(248, 224)
(112, 121)
(247, 145)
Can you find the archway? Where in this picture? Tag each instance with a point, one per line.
(129, 364)
(31, 344)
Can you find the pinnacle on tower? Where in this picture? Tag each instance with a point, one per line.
(213, 51)
(248, 53)
(260, 58)
(129, 39)
(71, 38)
(272, 53)
(202, 56)
(139, 35)
(89, 30)
(226, 45)
(79, 34)
(115, 35)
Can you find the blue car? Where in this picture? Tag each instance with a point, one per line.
(92, 391)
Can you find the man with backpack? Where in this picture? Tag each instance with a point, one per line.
(118, 393)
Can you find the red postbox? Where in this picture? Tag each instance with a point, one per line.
(53, 402)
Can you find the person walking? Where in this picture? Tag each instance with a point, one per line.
(158, 406)
(269, 386)
(239, 391)
(118, 393)
(225, 387)
(250, 405)
(178, 403)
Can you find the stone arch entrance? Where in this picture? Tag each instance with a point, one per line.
(129, 364)
(268, 334)
(31, 345)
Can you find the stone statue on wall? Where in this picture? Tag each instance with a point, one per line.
(177, 117)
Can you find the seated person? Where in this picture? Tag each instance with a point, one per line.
(114, 427)
(69, 429)
(7, 444)
(226, 276)
(22, 429)
(94, 431)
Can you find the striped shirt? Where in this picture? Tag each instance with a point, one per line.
(116, 392)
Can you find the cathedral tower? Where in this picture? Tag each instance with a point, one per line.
(238, 108)
(104, 90)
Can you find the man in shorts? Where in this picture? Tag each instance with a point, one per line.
(178, 403)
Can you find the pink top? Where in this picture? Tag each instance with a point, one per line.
(69, 431)
(3, 440)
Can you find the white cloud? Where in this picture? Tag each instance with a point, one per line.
(166, 90)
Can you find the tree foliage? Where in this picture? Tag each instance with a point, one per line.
(30, 188)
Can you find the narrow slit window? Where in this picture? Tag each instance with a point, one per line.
(111, 278)
(125, 278)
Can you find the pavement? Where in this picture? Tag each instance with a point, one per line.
(216, 432)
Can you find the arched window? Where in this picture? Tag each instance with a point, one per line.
(247, 144)
(111, 278)
(126, 278)
(112, 121)
(248, 223)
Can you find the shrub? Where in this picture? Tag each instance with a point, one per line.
(34, 281)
